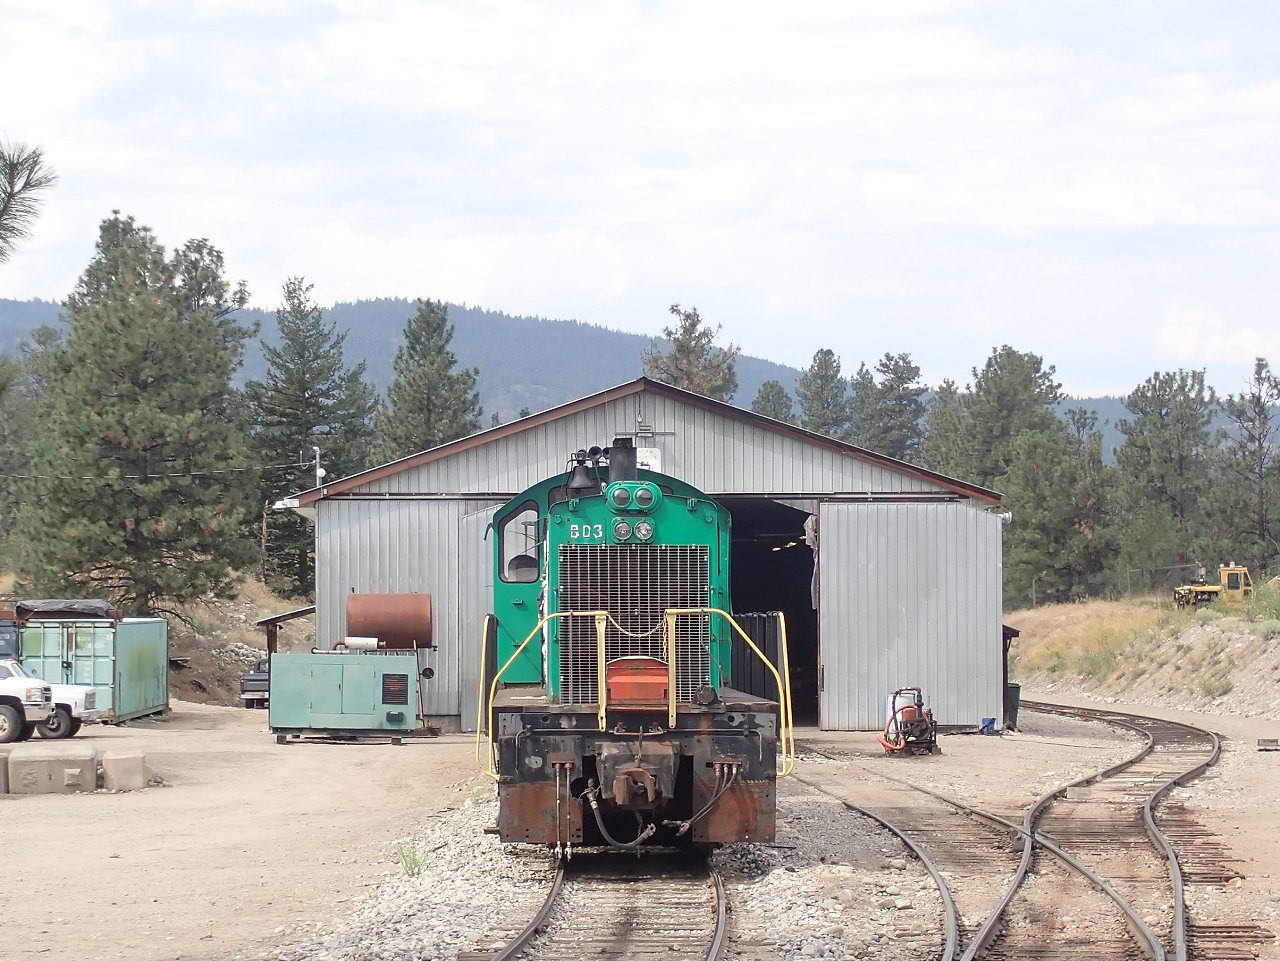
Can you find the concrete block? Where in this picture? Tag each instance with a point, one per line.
(4, 772)
(124, 771)
(61, 769)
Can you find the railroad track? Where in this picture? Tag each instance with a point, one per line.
(1105, 838)
(1118, 823)
(974, 852)
(656, 906)
(1100, 880)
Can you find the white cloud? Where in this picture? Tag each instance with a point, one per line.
(870, 177)
(1195, 337)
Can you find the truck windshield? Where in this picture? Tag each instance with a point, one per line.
(17, 670)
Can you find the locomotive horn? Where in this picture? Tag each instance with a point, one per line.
(622, 460)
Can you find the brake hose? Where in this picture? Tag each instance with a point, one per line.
(720, 792)
(644, 835)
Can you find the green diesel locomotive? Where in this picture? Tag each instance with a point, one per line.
(608, 714)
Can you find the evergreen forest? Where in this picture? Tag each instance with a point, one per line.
(149, 422)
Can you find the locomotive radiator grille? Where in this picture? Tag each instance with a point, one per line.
(636, 584)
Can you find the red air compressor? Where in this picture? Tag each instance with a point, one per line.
(910, 728)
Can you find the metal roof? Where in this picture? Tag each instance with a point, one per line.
(640, 385)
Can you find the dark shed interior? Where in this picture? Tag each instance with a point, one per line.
(772, 570)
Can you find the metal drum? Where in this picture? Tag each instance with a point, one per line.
(400, 622)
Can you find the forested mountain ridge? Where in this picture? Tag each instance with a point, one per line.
(524, 362)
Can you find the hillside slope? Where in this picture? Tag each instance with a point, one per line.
(1144, 651)
(528, 362)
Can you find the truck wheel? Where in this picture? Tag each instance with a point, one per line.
(76, 724)
(10, 723)
(27, 731)
(58, 726)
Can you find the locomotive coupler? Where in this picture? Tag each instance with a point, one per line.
(631, 782)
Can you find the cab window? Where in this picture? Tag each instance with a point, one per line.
(518, 538)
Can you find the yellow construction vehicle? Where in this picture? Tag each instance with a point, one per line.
(1234, 583)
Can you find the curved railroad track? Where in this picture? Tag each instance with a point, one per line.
(1119, 823)
(665, 906)
(967, 843)
(1105, 838)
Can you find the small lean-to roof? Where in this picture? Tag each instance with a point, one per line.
(640, 385)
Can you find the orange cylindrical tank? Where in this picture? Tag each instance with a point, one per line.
(400, 622)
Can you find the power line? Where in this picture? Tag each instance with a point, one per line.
(194, 473)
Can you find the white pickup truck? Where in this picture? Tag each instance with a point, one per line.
(70, 705)
(24, 703)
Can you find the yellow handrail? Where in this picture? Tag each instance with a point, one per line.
(786, 721)
(490, 768)
(786, 734)
(484, 659)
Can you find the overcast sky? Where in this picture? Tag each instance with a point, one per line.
(1096, 182)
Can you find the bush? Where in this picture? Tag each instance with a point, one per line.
(1207, 615)
(1267, 629)
(1098, 664)
(1265, 603)
(1216, 687)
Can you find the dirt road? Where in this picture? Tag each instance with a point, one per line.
(246, 837)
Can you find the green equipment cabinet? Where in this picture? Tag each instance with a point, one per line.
(343, 694)
(126, 661)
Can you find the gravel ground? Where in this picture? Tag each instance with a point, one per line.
(265, 852)
(835, 885)
(468, 893)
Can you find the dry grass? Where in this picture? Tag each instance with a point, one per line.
(1146, 650)
(1091, 638)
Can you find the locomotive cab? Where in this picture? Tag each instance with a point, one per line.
(610, 717)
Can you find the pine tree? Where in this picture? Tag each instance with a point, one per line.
(888, 417)
(945, 445)
(142, 498)
(1249, 471)
(692, 361)
(772, 400)
(24, 175)
(824, 405)
(308, 398)
(1056, 546)
(14, 416)
(1013, 394)
(1163, 470)
(429, 403)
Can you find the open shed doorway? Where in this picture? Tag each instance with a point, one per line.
(772, 570)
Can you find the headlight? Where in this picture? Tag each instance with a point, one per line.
(644, 530)
(621, 497)
(621, 530)
(34, 694)
(644, 497)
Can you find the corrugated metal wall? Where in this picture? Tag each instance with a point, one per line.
(715, 453)
(910, 597)
(918, 600)
(399, 546)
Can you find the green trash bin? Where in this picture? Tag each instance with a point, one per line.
(1012, 698)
